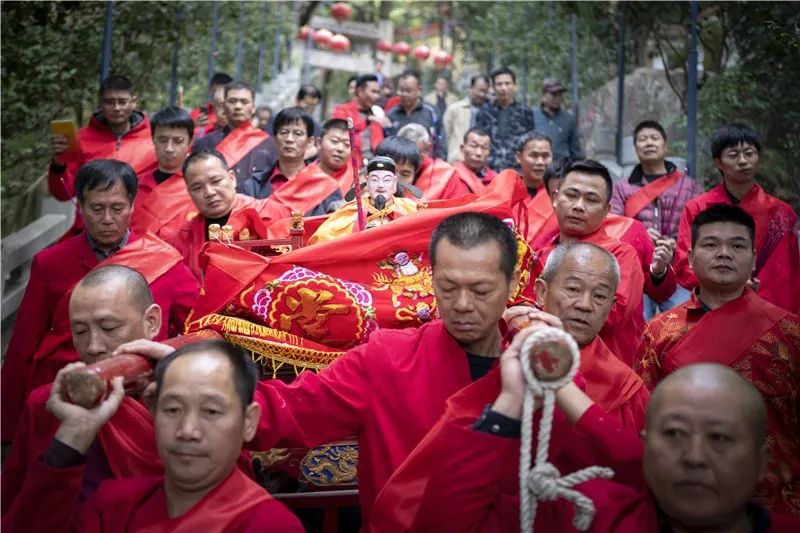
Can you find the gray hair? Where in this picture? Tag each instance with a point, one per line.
(562, 251)
(415, 133)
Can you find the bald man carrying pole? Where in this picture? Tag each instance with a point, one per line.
(110, 306)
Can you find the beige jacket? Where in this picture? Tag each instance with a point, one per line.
(457, 119)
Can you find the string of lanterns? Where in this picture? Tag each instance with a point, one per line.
(342, 11)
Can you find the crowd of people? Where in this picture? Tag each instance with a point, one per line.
(683, 303)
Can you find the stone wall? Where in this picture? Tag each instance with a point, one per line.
(648, 95)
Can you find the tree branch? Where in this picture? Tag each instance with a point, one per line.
(678, 93)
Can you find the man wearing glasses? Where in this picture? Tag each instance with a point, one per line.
(736, 149)
(294, 133)
(115, 131)
(561, 126)
(380, 203)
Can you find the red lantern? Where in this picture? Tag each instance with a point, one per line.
(322, 37)
(442, 58)
(383, 46)
(339, 43)
(401, 48)
(341, 11)
(422, 52)
(303, 33)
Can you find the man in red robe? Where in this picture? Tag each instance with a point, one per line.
(534, 157)
(294, 132)
(726, 322)
(204, 412)
(472, 168)
(116, 131)
(334, 154)
(581, 205)
(438, 179)
(212, 187)
(162, 204)
(465, 475)
(205, 116)
(367, 125)
(577, 287)
(247, 149)
(473, 257)
(735, 149)
(106, 191)
(110, 306)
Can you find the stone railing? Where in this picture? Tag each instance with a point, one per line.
(17, 252)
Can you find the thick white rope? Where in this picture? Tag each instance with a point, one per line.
(544, 482)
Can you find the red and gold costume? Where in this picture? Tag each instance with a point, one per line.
(343, 221)
(760, 341)
(777, 253)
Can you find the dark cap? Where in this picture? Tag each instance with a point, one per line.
(381, 162)
(552, 85)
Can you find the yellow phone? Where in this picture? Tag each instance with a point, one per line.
(69, 130)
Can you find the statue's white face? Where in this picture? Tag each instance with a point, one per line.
(383, 183)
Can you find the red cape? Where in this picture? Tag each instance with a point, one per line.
(471, 180)
(97, 141)
(238, 143)
(439, 180)
(139, 504)
(309, 188)
(161, 209)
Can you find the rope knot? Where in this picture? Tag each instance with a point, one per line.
(543, 481)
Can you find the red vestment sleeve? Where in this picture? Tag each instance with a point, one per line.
(62, 184)
(623, 327)
(32, 323)
(315, 408)
(47, 502)
(604, 440)
(648, 359)
(471, 483)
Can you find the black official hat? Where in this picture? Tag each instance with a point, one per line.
(381, 163)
